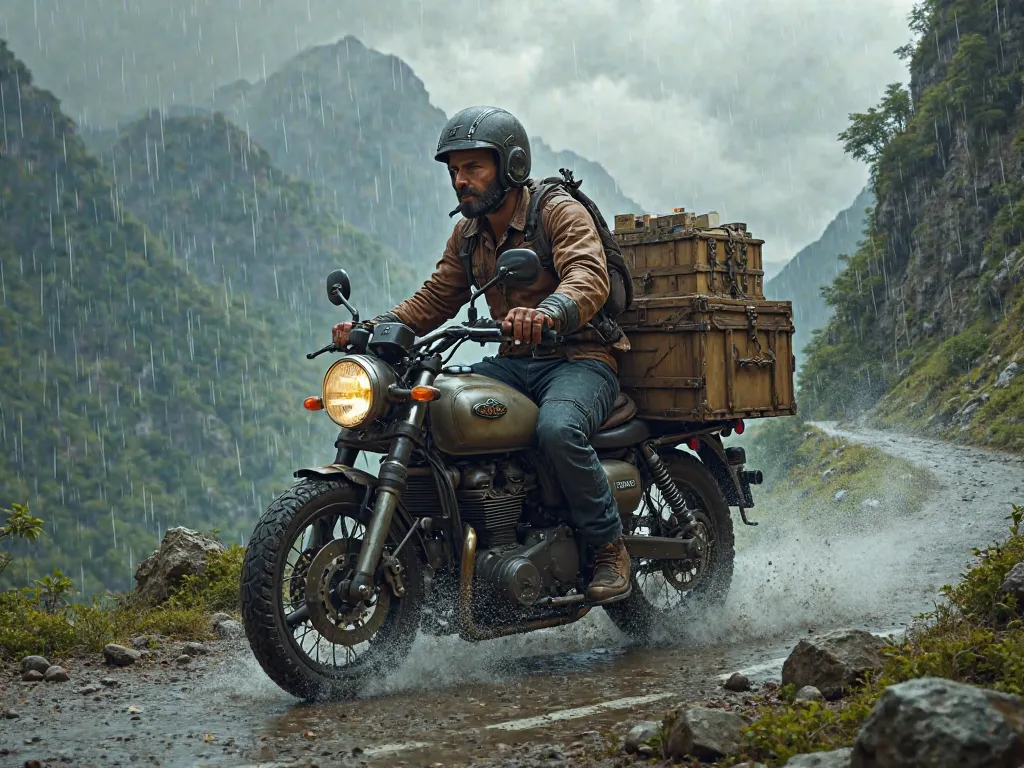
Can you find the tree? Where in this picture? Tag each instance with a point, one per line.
(20, 525)
(871, 132)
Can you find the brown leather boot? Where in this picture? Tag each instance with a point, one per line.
(611, 574)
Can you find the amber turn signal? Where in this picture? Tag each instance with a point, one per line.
(313, 404)
(424, 394)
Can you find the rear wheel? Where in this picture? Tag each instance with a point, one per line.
(669, 592)
(309, 639)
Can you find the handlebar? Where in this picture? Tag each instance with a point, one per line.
(548, 335)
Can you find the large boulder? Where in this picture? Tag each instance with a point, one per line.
(707, 734)
(833, 661)
(1013, 585)
(182, 552)
(941, 724)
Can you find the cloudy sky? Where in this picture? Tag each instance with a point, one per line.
(727, 105)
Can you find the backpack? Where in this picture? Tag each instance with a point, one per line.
(620, 281)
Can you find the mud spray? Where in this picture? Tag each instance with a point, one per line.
(875, 569)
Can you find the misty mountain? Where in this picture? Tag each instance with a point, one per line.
(242, 225)
(816, 266)
(132, 396)
(359, 126)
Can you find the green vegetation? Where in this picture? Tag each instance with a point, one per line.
(33, 621)
(243, 226)
(816, 265)
(931, 300)
(132, 396)
(807, 472)
(19, 525)
(975, 637)
(41, 620)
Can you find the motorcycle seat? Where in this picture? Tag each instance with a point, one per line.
(623, 409)
(620, 429)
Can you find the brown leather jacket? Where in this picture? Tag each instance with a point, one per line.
(578, 257)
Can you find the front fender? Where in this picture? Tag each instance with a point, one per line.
(356, 477)
(331, 472)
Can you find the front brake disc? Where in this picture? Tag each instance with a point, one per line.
(340, 621)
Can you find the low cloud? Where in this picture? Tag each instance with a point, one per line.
(727, 105)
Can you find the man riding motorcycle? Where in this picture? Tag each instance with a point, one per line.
(487, 152)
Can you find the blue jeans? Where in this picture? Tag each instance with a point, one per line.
(575, 397)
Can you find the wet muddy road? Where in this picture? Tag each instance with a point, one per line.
(454, 703)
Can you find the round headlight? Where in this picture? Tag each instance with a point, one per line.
(355, 391)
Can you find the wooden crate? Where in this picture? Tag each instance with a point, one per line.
(705, 358)
(680, 257)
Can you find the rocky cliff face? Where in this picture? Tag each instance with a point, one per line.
(926, 309)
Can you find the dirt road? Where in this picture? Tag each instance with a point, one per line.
(543, 695)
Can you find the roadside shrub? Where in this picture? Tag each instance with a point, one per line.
(975, 637)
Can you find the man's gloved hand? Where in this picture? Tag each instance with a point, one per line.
(526, 325)
(340, 332)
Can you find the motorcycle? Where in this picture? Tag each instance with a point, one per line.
(462, 529)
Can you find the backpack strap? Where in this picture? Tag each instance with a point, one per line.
(534, 233)
(466, 251)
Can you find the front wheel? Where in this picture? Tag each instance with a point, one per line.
(309, 640)
(669, 594)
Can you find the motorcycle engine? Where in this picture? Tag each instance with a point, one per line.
(522, 573)
(491, 498)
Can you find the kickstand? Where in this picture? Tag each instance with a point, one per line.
(743, 514)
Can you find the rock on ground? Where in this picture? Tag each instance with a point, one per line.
(1014, 585)
(38, 663)
(737, 683)
(195, 649)
(56, 674)
(32, 676)
(833, 661)
(839, 758)
(119, 656)
(230, 629)
(707, 734)
(941, 724)
(809, 693)
(641, 735)
(182, 552)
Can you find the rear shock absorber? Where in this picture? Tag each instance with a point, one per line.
(668, 488)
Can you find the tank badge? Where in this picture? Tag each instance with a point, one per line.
(490, 409)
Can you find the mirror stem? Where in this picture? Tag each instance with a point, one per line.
(349, 307)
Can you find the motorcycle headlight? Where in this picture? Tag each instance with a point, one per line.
(355, 391)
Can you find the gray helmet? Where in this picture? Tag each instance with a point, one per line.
(489, 128)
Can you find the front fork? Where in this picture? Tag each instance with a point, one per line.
(391, 481)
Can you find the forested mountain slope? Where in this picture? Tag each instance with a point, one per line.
(928, 313)
(815, 266)
(132, 396)
(242, 225)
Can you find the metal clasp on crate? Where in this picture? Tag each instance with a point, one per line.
(759, 360)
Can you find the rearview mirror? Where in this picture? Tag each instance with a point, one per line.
(338, 282)
(522, 266)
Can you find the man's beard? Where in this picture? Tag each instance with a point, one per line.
(475, 207)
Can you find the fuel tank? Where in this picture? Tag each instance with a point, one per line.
(478, 415)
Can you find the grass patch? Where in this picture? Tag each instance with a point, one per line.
(808, 474)
(39, 620)
(962, 373)
(975, 636)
